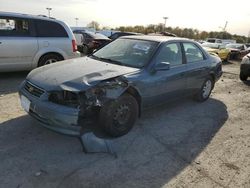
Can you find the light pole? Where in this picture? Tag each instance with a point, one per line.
(76, 21)
(165, 20)
(49, 9)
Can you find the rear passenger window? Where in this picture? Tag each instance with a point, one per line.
(50, 29)
(14, 27)
(193, 53)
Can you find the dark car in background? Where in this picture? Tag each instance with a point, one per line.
(115, 83)
(245, 68)
(237, 51)
(90, 41)
(122, 34)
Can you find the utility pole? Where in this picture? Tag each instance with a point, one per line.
(248, 40)
(225, 27)
(49, 9)
(76, 21)
(165, 21)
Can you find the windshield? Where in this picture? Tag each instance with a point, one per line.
(127, 52)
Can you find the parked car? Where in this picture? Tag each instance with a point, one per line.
(121, 34)
(245, 68)
(27, 41)
(163, 34)
(117, 82)
(223, 41)
(90, 41)
(237, 50)
(217, 48)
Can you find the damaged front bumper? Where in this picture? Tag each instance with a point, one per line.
(69, 111)
(59, 118)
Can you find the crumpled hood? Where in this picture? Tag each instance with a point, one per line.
(76, 74)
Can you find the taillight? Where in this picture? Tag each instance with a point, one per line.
(74, 45)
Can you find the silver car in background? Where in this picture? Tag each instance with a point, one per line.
(27, 41)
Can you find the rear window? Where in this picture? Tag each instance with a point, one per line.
(14, 27)
(50, 29)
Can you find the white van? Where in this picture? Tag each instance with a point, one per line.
(27, 41)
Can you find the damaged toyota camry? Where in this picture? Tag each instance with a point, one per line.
(114, 84)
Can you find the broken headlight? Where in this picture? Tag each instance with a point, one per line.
(66, 98)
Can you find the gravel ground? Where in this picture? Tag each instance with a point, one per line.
(182, 144)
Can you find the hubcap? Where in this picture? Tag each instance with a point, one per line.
(206, 88)
(121, 115)
(49, 61)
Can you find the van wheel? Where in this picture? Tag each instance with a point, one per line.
(48, 59)
(205, 90)
(117, 117)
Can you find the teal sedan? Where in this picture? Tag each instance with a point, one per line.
(113, 85)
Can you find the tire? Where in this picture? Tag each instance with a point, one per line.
(118, 117)
(48, 59)
(243, 77)
(205, 90)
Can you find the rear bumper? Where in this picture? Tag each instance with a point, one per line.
(58, 118)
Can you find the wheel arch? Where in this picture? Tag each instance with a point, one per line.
(42, 53)
(135, 93)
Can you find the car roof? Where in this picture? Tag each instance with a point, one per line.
(27, 16)
(131, 33)
(156, 38)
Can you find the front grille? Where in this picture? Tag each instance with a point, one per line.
(33, 89)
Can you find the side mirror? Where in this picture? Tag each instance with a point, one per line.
(162, 66)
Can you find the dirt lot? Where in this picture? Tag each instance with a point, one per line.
(184, 144)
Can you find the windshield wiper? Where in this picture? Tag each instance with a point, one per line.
(107, 60)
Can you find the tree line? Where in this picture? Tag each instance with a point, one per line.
(180, 32)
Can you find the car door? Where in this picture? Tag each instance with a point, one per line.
(164, 85)
(197, 67)
(18, 45)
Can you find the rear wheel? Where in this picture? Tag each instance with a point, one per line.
(48, 59)
(205, 90)
(117, 117)
(243, 77)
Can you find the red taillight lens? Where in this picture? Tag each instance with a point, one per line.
(74, 45)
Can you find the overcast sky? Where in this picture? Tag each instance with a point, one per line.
(203, 15)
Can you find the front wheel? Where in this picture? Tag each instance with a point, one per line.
(117, 117)
(243, 77)
(205, 90)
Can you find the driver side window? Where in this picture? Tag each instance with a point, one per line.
(170, 53)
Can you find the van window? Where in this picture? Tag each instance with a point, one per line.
(50, 29)
(14, 27)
